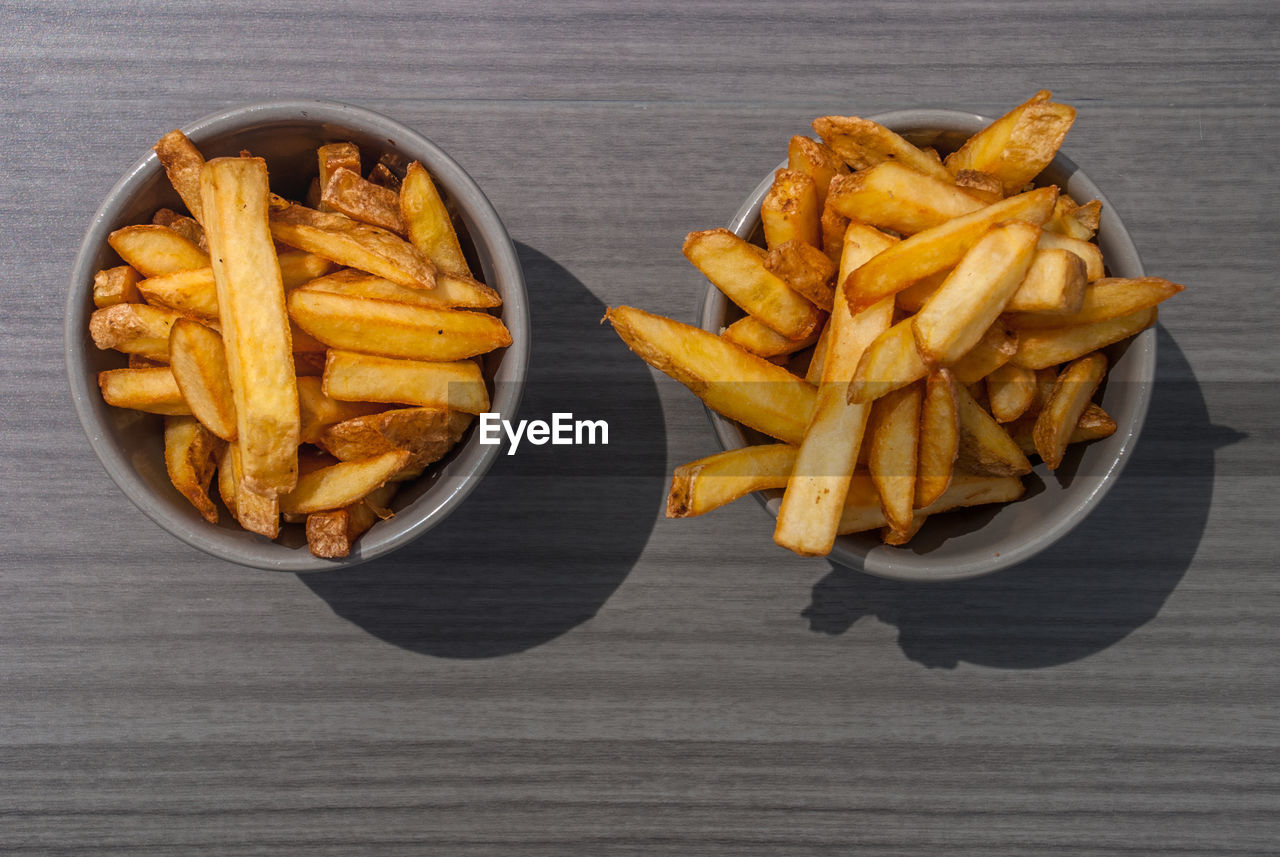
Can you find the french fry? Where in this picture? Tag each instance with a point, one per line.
(832, 224)
(894, 430)
(790, 211)
(1054, 284)
(910, 299)
(819, 161)
(257, 513)
(365, 378)
(332, 534)
(428, 223)
(1071, 395)
(1077, 221)
(1094, 424)
(348, 193)
(182, 162)
(717, 480)
(894, 196)
(298, 267)
(134, 329)
(806, 269)
(342, 484)
(731, 381)
(955, 317)
(1018, 145)
(863, 143)
(985, 447)
(420, 431)
(983, 186)
(255, 325)
(451, 291)
(318, 411)
(738, 269)
(192, 292)
(996, 348)
(188, 227)
(939, 438)
(889, 363)
(813, 374)
(151, 390)
(1011, 390)
(760, 339)
(1039, 349)
(118, 285)
(348, 242)
(1089, 253)
(396, 329)
(862, 510)
(332, 157)
(941, 247)
(1102, 300)
(155, 250)
(191, 453)
(199, 363)
(381, 175)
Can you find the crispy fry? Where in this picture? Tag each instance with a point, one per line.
(894, 196)
(199, 363)
(182, 162)
(419, 430)
(1071, 394)
(360, 199)
(939, 438)
(833, 225)
(155, 250)
(806, 269)
(1077, 221)
(1089, 253)
(1018, 145)
(118, 285)
(257, 513)
(1011, 390)
(1038, 349)
(191, 453)
(342, 484)
(428, 223)
(188, 227)
(134, 329)
(1094, 424)
(317, 411)
(332, 157)
(1102, 300)
(790, 211)
(894, 430)
(717, 480)
(365, 378)
(298, 267)
(191, 292)
(910, 299)
(819, 161)
(863, 143)
(151, 390)
(762, 340)
(996, 348)
(1054, 284)
(451, 291)
(891, 362)
(348, 242)
(985, 447)
(332, 534)
(862, 509)
(982, 186)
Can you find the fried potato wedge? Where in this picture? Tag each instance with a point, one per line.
(366, 378)
(985, 447)
(199, 363)
(982, 186)
(941, 247)
(817, 160)
(832, 225)
(806, 269)
(996, 348)
(1094, 424)
(396, 329)
(1054, 284)
(1011, 391)
(182, 163)
(891, 362)
(118, 285)
(738, 269)
(255, 325)
(342, 484)
(1071, 395)
(332, 534)
(895, 443)
(910, 299)
(762, 340)
(451, 291)
(733, 382)
(428, 223)
(863, 512)
(348, 242)
(791, 210)
(192, 292)
(955, 317)
(152, 390)
(257, 513)
(330, 158)
(134, 329)
(1088, 252)
(347, 192)
(188, 227)
(1077, 221)
(1018, 145)
(717, 480)
(894, 196)
(418, 430)
(1039, 349)
(1102, 300)
(318, 411)
(863, 143)
(153, 250)
(191, 454)
(939, 438)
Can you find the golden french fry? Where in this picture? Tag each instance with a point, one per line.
(151, 390)
(1088, 252)
(154, 250)
(427, 220)
(332, 534)
(451, 291)
(1071, 395)
(894, 196)
(348, 242)
(395, 329)
(806, 269)
(118, 285)
(365, 378)
(1102, 300)
(863, 143)
(717, 480)
(199, 363)
(342, 484)
(1011, 391)
(954, 318)
(985, 447)
(939, 438)
(298, 267)
(832, 224)
(257, 513)
(1054, 284)
(188, 227)
(889, 363)
(191, 453)
(819, 161)
(255, 325)
(1018, 145)
(192, 292)
(738, 269)
(731, 381)
(941, 247)
(348, 193)
(332, 157)
(996, 348)
(1094, 424)
(790, 211)
(1039, 349)
(982, 186)
(894, 430)
(910, 299)
(762, 340)
(418, 430)
(134, 329)
(182, 162)
(317, 411)
(1077, 221)
(862, 509)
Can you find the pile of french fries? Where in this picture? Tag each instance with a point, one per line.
(915, 328)
(314, 356)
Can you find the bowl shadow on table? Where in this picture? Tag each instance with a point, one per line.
(1091, 589)
(551, 531)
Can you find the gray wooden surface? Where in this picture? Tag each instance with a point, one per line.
(558, 669)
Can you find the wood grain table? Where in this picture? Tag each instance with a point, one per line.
(558, 669)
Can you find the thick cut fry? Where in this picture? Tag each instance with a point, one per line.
(151, 390)
(191, 453)
(257, 513)
(1102, 300)
(182, 162)
(1071, 394)
(895, 436)
(1094, 424)
(418, 430)
(731, 381)
(342, 484)
(298, 267)
(862, 510)
(365, 378)
(806, 269)
(985, 447)
(191, 292)
(956, 316)
(996, 348)
(395, 329)
(738, 269)
(763, 340)
(188, 227)
(428, 223)
(863, 143)
(1054, 284)
(910, 299)
(199, 363)
(1018, 145)
(939, 438)
(348, 193)
(982, 186)
(1039, 349)
(1011, 390)
(118, 285)
(790, 211)
(941, 247)
(833, 224)
(1077, 221)
(255, 326)
(332, 534)
(155, 250)
(451, 291)
(317, 411)
(1089, 253)
(134, 329)
(717, 480)
(891, 362)
(331, 158)
(894, 196)
(820, 162)
(348, 242)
